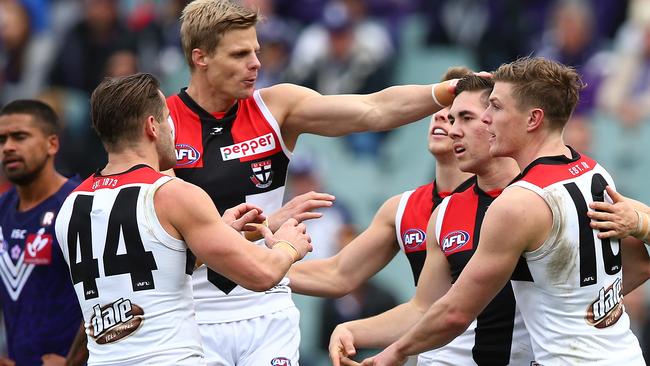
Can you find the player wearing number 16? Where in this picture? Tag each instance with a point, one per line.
(125, 233)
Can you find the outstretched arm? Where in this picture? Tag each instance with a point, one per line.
(301, 110)
(381, 330)
(362, 258)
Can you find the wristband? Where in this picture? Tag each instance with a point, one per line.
(283, 244)
(433, 94)
(642, 226)
(446, 96)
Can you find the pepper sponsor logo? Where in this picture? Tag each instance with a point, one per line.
(247, 148)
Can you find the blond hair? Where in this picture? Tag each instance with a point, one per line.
(204, 22)
(545, 84)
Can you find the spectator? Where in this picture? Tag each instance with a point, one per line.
(82, 60)
(626, 89)
(24, 54)
(343, 55)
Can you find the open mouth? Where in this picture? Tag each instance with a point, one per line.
(437, 131)
(458, 149)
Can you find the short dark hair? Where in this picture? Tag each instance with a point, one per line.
(41, 112)
(119, 104)
(472, 82)
(541, 83)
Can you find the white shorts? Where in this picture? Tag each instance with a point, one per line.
(271, 339)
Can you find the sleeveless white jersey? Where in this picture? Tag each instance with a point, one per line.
(237, 157)
(573, 308)
(129, 274)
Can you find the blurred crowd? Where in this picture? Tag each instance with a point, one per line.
(59, 50)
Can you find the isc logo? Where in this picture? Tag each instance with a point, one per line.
(186, 154)
(455, 240)
(413, 238)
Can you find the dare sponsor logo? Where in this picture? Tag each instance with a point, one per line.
(280, 361)
(455, 241)
(115, 321)
(186, 154)
(607, 308)
(413, 238)
(248, 148)
(38, 248)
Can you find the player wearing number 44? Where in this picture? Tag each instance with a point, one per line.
(573, 306)
(125, 234)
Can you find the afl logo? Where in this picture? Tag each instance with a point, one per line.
(413, 238)
(281, 361)
(455, 240)
(186, 154)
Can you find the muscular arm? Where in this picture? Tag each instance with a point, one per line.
(385, 328)
(486, 273)
(196, 220)
(302, 110)
(355, 263)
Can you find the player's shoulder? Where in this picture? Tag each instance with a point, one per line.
(517, 204)
(285, 92)
(177, 193)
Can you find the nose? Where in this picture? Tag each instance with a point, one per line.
(255, 63)
(486, 117)
(8, 145)
(441, 115)
(455, 131)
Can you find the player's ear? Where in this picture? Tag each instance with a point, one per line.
(535, 119)
(150, 127)
(52, 144)
(199, 58)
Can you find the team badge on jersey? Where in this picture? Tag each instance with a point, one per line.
(112, 322)
(280, 361)
(262, 174)
(38, 248)
(186, 154)
(413, 238)
(455, 241)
